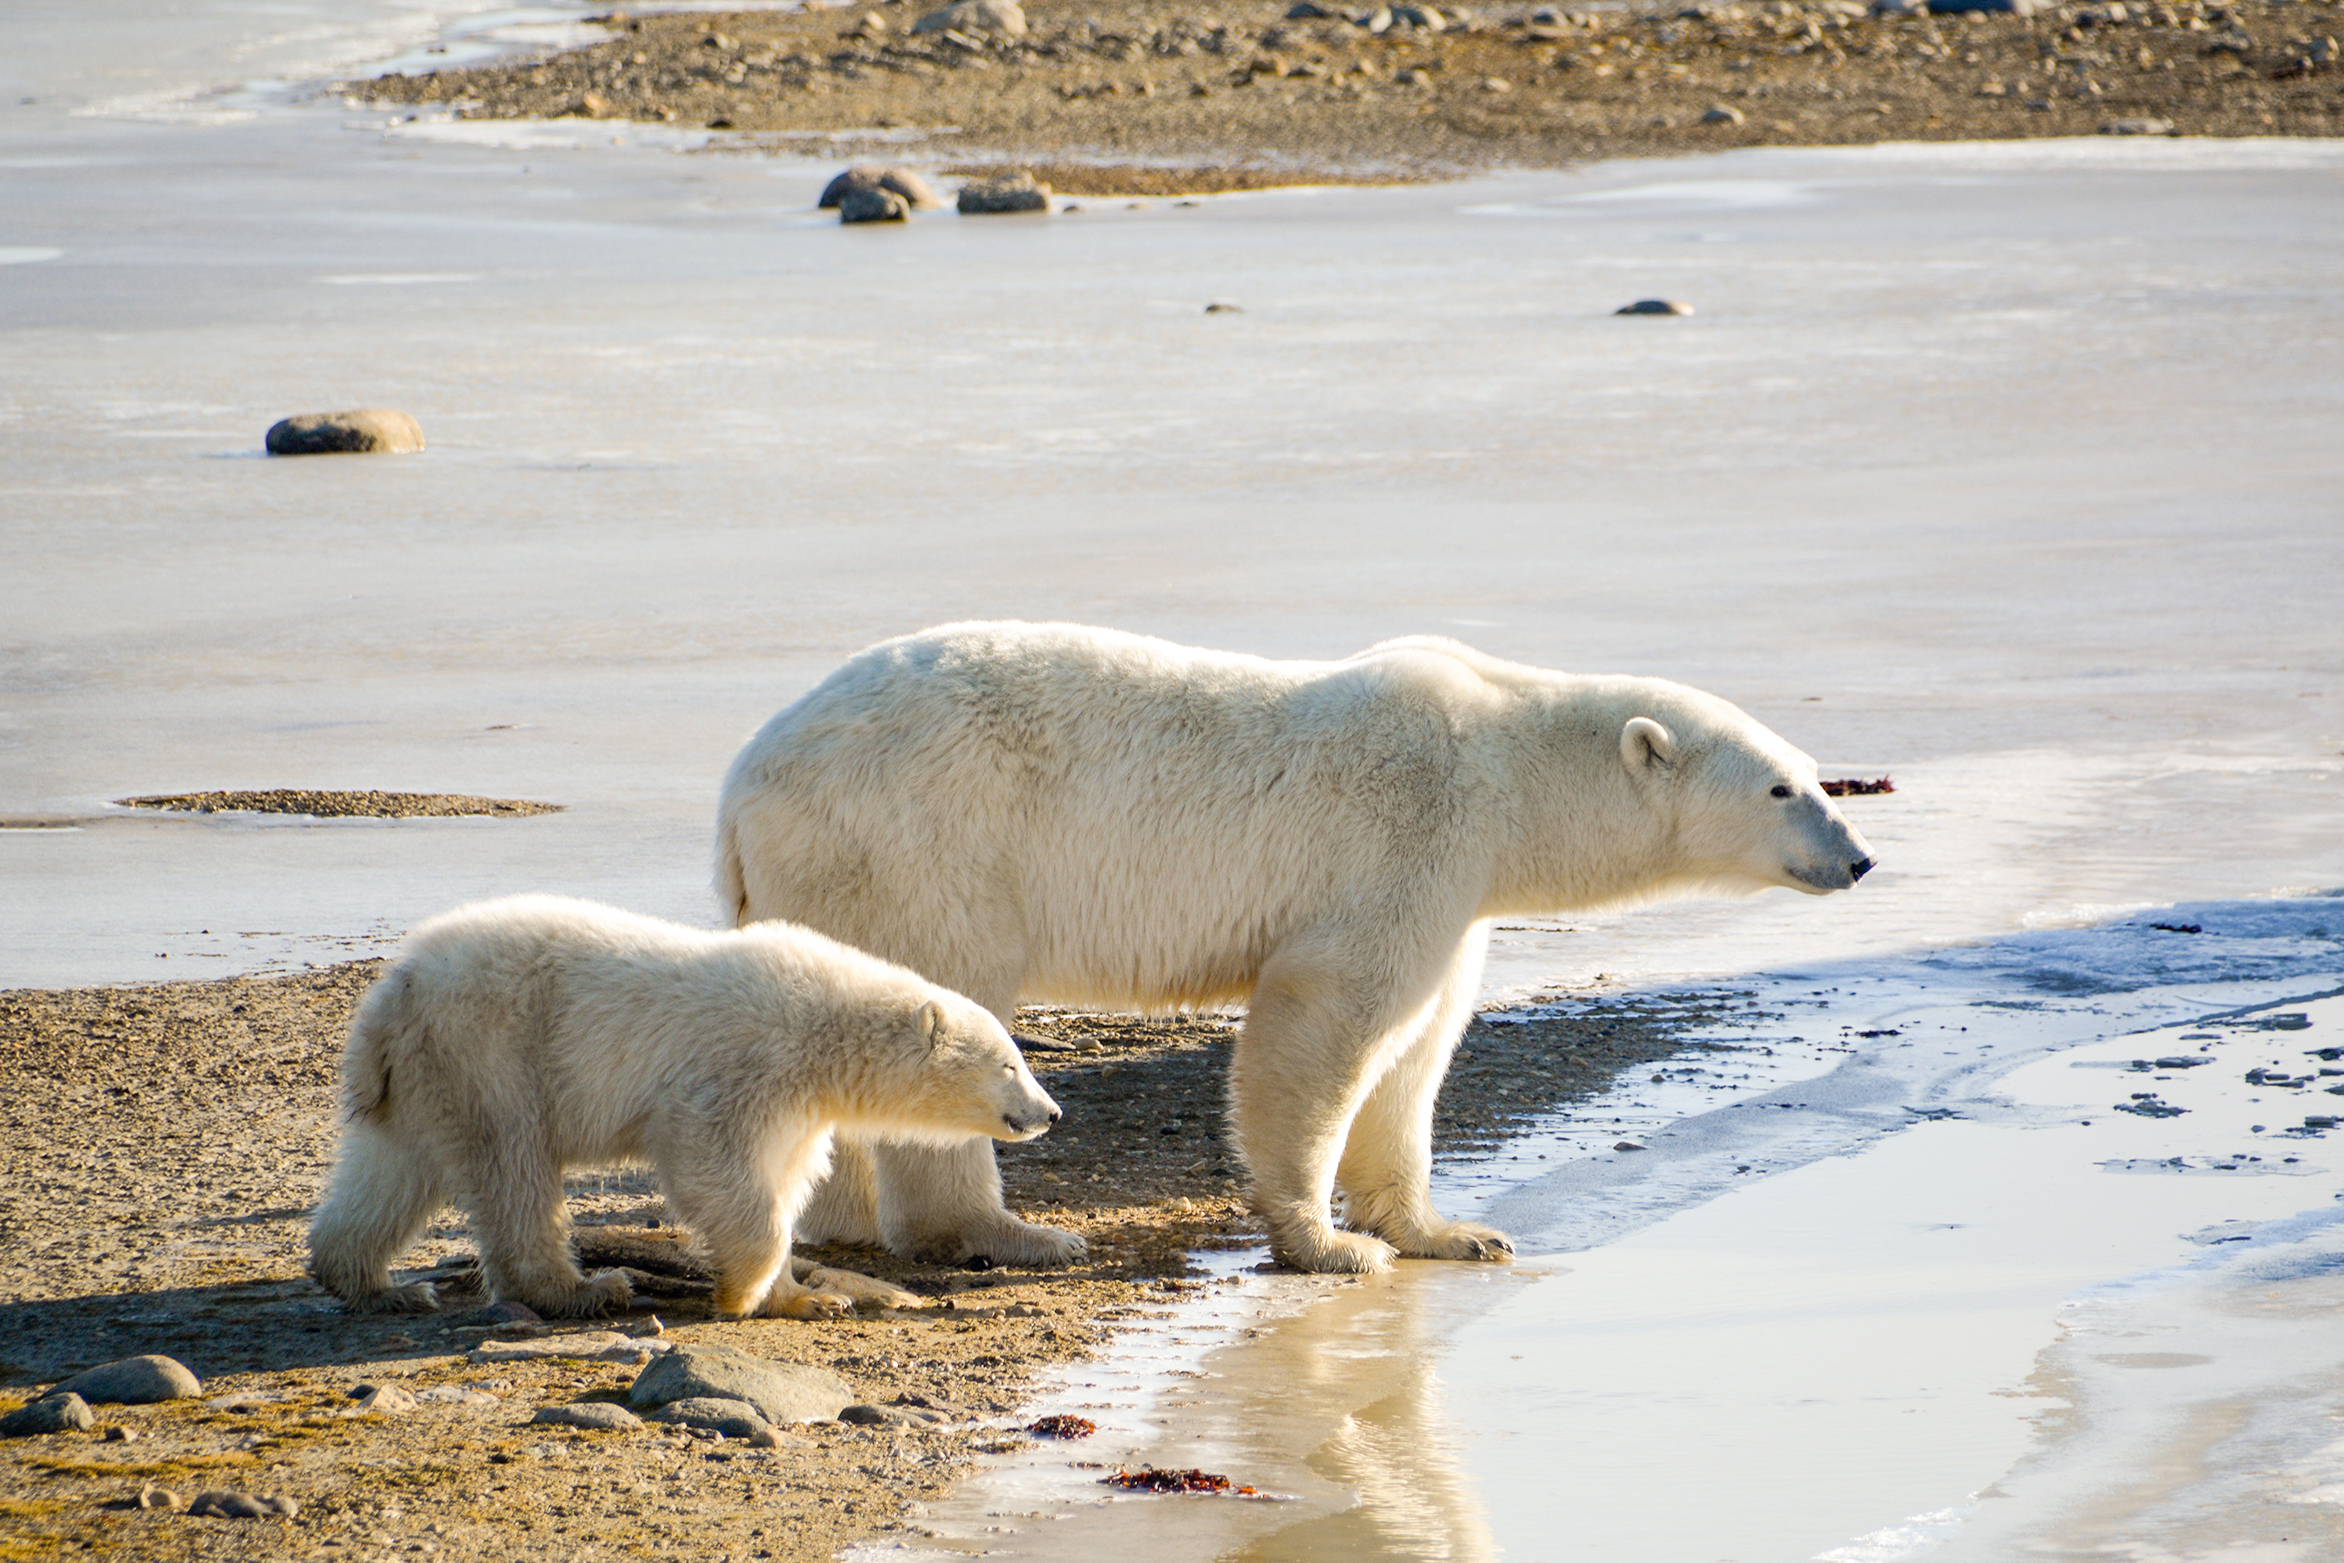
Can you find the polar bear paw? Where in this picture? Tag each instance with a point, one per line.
(412, 1297)
(1329, 1252)
(1009, 1241)
(1460, 1240)
(605, 1291)
(806, 1304)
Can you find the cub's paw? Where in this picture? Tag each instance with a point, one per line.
(1329, 1252)
(605, 1291)
(1007, 1241)
(413, 1297)
(807, 1305)
(1461, 1240)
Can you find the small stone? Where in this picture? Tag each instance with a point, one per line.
(382, 1400)
(454, 1395)
(1721, 114)
(152, 1497)
(1015, 191)
(510, 1313)
(53, 1413)
(1306, 11)
(704, 1413)
(1496, 84)
(1958, 7)
(118, 1434)
(1217, 307)
(873, 206)
(1000, 17)
(890, 1416)
(1412, 77)
(873, 176)
(221, 1503)
(1627, 1145)
(367, 430)
(1654, 306)
(764, 1438)
(2137, 127)
(596, 1415)
(133, 1381)
(780, 1392)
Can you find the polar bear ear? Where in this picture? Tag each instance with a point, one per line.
(1645, 742)
(930, 1022)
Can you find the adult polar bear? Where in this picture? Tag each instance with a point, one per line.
(1047, 812)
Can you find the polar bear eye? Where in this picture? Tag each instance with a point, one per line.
(1781, 791)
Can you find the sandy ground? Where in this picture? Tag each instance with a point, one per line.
(164, 1145)
(1144, 97)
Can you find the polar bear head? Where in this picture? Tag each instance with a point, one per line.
(1745, 808)
(973, 1080)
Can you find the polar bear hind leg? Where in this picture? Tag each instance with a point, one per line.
(1386, 1170)
(384, 1192)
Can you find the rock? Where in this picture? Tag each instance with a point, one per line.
(1899, 7)
(381, 1400)
(1722, 114)
(872, 176)
(454, 1395)
(1654, 306)
(780, 1391)
(763, 1438)
(118, 1434)
(52, 1413)
(1957, 7)
(360, 430)
(598, 1415)
(950, 1411)
(510, 1313)
(134, 1381)
(152, 1497)
(890, 1416)
(602, 1345)
(1000, 17)
(1422, 18)
(1305, 11)
(732, 1418)
(2137, 127)
(220, 1503)
(1627, 1145)
(1016, 191)
(873, 206)
(1218, 307)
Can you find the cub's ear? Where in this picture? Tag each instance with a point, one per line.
(1645, 742)
(930, 1022)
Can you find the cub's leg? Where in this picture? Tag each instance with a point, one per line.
(515, 1201)
(844, 1207)
(384, 1191)
(1386, 1170)
(736, 1192)
(944, 1205)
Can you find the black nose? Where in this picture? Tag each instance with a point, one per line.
(1859, 868)
(1057, 1113)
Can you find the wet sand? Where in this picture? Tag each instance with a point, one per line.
(1155, 98)
(165, 1143)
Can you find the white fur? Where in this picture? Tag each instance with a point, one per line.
(1046, 812)
(513, 1040)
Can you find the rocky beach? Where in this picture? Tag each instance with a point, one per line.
(1149, 99)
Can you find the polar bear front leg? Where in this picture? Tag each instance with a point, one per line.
(1301, 1069)
(943, 1205)
(1386, 1171)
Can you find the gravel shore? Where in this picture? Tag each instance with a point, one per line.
(163, 1147)
(1119, 97)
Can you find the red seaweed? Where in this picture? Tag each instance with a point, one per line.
(1856, 787)
(1149, 1479)
(1063, 1427)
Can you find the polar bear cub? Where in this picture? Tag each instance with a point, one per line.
(514, 1039)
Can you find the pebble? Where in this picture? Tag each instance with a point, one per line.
(152, 1497)
(890, 1416)
(1722, 114)
(598, 1415)
(510, 1313)
(52, 1413)
(221, 1503)
(118, 1434)
(373, 430)
(1654, 306)
(781, 1392)
(454, 1395)
(1627, 1145)
(2137, 127)
(1017, 191)
(732, 1418)
(602, 1345)
(1957, 7)
(133, 1381)
(381, 1400)
(873, 206)
(975, 16)
(873, 176)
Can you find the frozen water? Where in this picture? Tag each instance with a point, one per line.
(2009, 471)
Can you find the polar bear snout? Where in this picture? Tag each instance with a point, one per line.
(1859, 868)
(1030, 1120)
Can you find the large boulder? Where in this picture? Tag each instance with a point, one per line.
(49, 1414)
(134, 1381)
(780, 1391)
(873, 206)
(1016, 191)
(359, 431)
(1002, 18)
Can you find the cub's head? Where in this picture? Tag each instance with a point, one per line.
(976, 1081)
(1747, 809)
